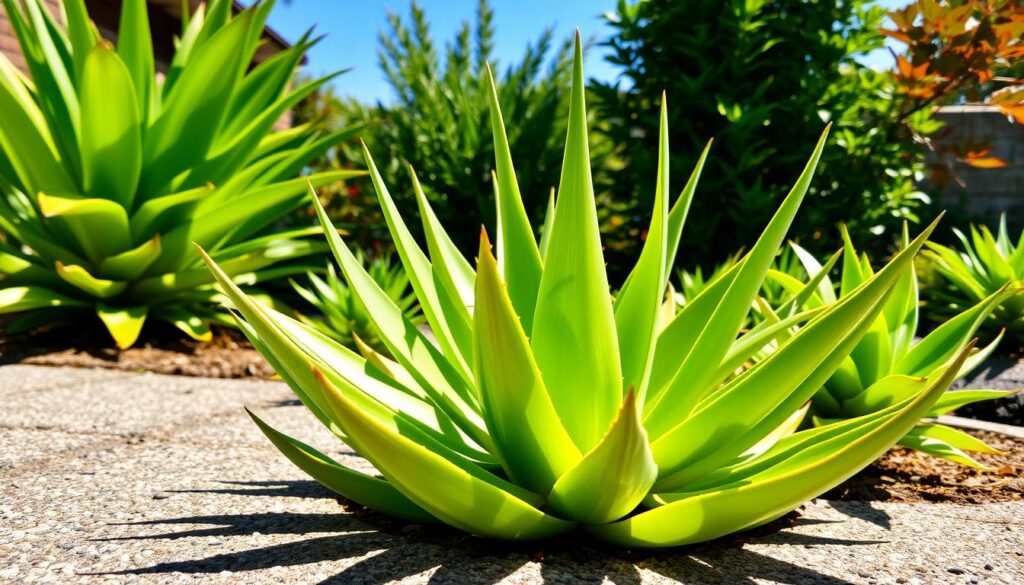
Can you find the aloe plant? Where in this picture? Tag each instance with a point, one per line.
(882, 368)
(547, 405)
(108, 172)
(985, 264)
(786, 267)
(343, 316)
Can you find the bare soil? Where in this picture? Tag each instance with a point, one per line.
(161, 349)
(903, 475)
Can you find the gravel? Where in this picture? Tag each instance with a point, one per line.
(127, 478)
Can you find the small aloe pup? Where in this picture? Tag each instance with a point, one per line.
(545, 405)
(986, 263)
(343, 316)
(882, 368)
(108, 173)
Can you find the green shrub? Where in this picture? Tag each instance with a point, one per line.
(759, 78)
(438, 121)
(109, 174)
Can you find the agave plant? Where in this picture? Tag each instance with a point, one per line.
(546, 405)
(881, 368)
(344, 317)
(108, 173)
(961, 278)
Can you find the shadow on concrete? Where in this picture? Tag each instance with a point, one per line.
(292, 489)
(863, 511)
(403, 550)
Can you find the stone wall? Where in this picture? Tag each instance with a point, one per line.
(987, 193)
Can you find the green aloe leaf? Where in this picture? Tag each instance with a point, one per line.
(885, 392)
(450, 266)
(25, 140)
(701, 362)
(359, 487)
(549, 220)
(15, 299)
(760, 400)
(163, 213)
(81, 33)
(953, 400)
(135, 46)
(947, 443)
(853, 274)
(681, 208)
(901, 312)
(825, 288)
(183, 132)
(123, 323)
(687, 518)
(55, 91)
(191, 324)
(518, 255)
(636, 308)
(574, 338)
(511, 388)
(810, 294)
(943, 343)
(409, 346)
(131, 264)
(266, 84)
(455, 335)
(390, 368)
(679, 336)
(755, 340)
(83, 280)
(297, 348)
(403, 405)
(405, 464)
(99, 226)
(621, 464)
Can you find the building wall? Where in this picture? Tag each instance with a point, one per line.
(987, 193)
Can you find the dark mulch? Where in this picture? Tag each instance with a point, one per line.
(902, 475)
(161, 349)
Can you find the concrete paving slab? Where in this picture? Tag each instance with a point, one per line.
(27, 447)
(206, 499)
(120, 403)
(17, 378)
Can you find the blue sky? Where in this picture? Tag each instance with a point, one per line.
(352, 26)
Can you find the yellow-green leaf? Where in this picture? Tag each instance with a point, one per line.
(465, 501)
(123, 323)
(532, 442)
(574, 339)
(111, 141)
(614, 477)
